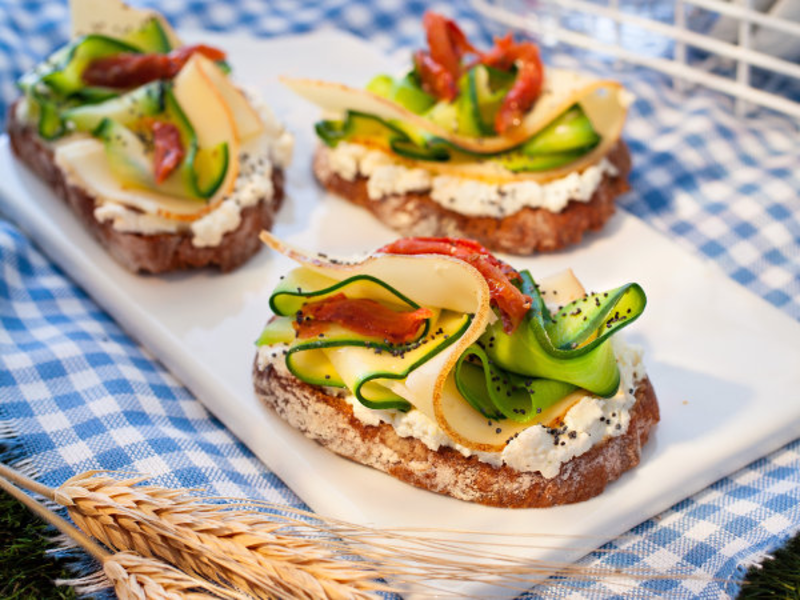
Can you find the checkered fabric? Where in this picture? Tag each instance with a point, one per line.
(76, 393)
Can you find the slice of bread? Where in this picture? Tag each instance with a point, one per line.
(150, 253)
(329, 420)
(527, 231)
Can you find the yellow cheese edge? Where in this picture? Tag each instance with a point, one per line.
(431, 387)
(604, 102)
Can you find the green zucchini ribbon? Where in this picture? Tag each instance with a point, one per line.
(551, 354)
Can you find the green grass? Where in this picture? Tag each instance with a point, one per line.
(26, 573)
(777, 578)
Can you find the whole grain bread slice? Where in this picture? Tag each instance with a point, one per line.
(149, 253)
(527, 231)
(329, 420)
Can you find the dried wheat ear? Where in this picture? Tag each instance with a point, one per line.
(195, 546)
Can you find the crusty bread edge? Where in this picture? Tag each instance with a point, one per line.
(150, 253)
(527, 231)
(329, 420)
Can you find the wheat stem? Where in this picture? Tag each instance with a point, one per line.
(132, 576)
(292, 553)
(55, 520)
(26, 482)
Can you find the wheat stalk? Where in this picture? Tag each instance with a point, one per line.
(136, 577)
(133, 577)
(199, 538)
(290, 553)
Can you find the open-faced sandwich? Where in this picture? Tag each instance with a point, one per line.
(167, 162)
(487, 145)
(441, 365)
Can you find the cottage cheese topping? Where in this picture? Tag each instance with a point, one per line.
(386, 177)
(588, 422)
(257, 157)
(253, 183)
(124, 219)
(537, 448)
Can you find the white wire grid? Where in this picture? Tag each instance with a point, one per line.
(732, 39)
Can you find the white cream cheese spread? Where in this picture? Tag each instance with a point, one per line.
(387, 177)
(538, 448)
(254, 182)
(257, 158)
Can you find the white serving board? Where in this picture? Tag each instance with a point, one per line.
(724, 363)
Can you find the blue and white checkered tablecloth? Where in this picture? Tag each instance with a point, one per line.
(76, 393)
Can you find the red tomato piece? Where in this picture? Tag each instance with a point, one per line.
(126, 70)
(446, 41)
(509, 300)
(360, 315)
(168, 149)
(180, 56)
(528, 84)
(440, 68)
(436, 80)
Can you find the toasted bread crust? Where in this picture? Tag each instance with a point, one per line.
(329, 420)
(527, 231)
(150, 253)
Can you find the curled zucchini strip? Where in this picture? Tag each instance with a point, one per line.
(549, 356)
(368, 364)
(497, 393)
(361, 127)
(565, 140)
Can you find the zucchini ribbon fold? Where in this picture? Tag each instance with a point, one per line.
(520, 375)
(343, 358)
(502, 376)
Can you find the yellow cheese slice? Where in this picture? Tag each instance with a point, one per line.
(453, 284)
(429, 280)
(211, 117)
(246, 120)
(84, 161)
(113, 18)
(604, 102)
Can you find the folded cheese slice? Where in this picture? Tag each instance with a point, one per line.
(113, 18)
(604, 102)
(435, 281)
(84, 161)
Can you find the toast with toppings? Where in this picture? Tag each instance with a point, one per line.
(484, 383)
(161, 156)
(489, 145)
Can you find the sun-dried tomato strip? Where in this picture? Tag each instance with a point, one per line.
(446, 41)
(362, 316)
(440, 67)
(127, 70)
(510, 301)
(168, 149)
(436, 80)
(527, 87)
